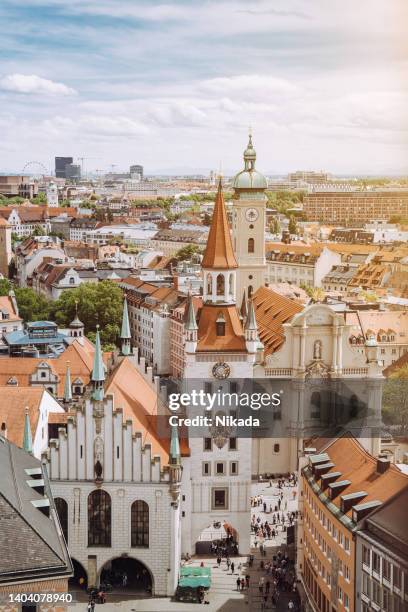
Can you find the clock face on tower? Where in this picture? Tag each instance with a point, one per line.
(251, 214)
(221, 370)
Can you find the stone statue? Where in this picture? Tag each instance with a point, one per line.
(317, 349)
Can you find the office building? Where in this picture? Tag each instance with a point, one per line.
(355, 208)
(60, 163)
(136, 171)
(73, 172)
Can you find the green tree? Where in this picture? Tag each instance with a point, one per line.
(40, 198)
(207, 219)
(38, 231)
(274, 226)
(395, 399)
(98, 303)
(5, 286)
(187, 252)
(293, 229)
(31, 306)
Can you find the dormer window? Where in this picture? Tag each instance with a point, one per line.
(220, 325)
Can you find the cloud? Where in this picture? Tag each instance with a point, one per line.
(33, 84)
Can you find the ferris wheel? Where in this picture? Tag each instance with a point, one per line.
(35, 169)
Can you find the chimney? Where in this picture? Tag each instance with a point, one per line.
(383, 465)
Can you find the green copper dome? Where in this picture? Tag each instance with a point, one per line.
(249, 178)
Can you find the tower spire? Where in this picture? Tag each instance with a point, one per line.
(67, 385)
(174, 446)
(98, 371)
(244, 306)
(28, 438)
(125, 336)
(219, 253)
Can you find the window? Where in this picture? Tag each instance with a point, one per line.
(220, 499)
(99, 518)
(251, 245)
(43, 374)
(220, 325)
(220, 284)
(376, 562)
(366, 584)
(396, 574)
(234, 468)
(366, 556)
(386, 569)
(220, 468)
(206, 468)
(140, 523)
(61, 507)
(315, 405)
(207, 444)
(232, 444)
(276, 448)
(376, 592)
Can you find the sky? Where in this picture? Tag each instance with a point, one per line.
(175, 85)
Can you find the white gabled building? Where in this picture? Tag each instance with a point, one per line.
(115, 484)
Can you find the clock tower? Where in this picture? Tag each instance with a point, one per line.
(221, 351)
(249, 225)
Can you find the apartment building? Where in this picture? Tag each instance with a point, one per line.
(382, 558)
(21, 186)
(25, 219)
(338, 279)
(299, 264)
(340, 485)
(355, 208)
(389, 328)
(177, 336)
(149, 309)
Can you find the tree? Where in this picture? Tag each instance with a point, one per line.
(274, 226)
(292, 225)
(207, 219)
(38, 231)
(5, 286)
(40, 198)
(31, 305)
(395, 399)
(98, 303)
(187, 252)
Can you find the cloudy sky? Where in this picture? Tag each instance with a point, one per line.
(174, 85)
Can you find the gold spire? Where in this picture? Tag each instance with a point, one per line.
(219, 253)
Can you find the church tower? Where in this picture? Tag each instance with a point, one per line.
(220, 356)
(249, 206)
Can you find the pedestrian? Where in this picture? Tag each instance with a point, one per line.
(232, 567)
(124, 579)
(291, 605)
(242, 584)
(267, 587)
(261, 584)
(238, 583)
(228, 563)
(247, 580)
(264, 506)
(218, 561)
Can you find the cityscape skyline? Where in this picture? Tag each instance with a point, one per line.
(176, 86)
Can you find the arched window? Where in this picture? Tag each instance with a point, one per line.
(99, 518)
(62, 511)
(209, 284)
(250, 291)
(251, 245)
(139, 528)
(316, 404)
(354, 406)
(220, 284)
